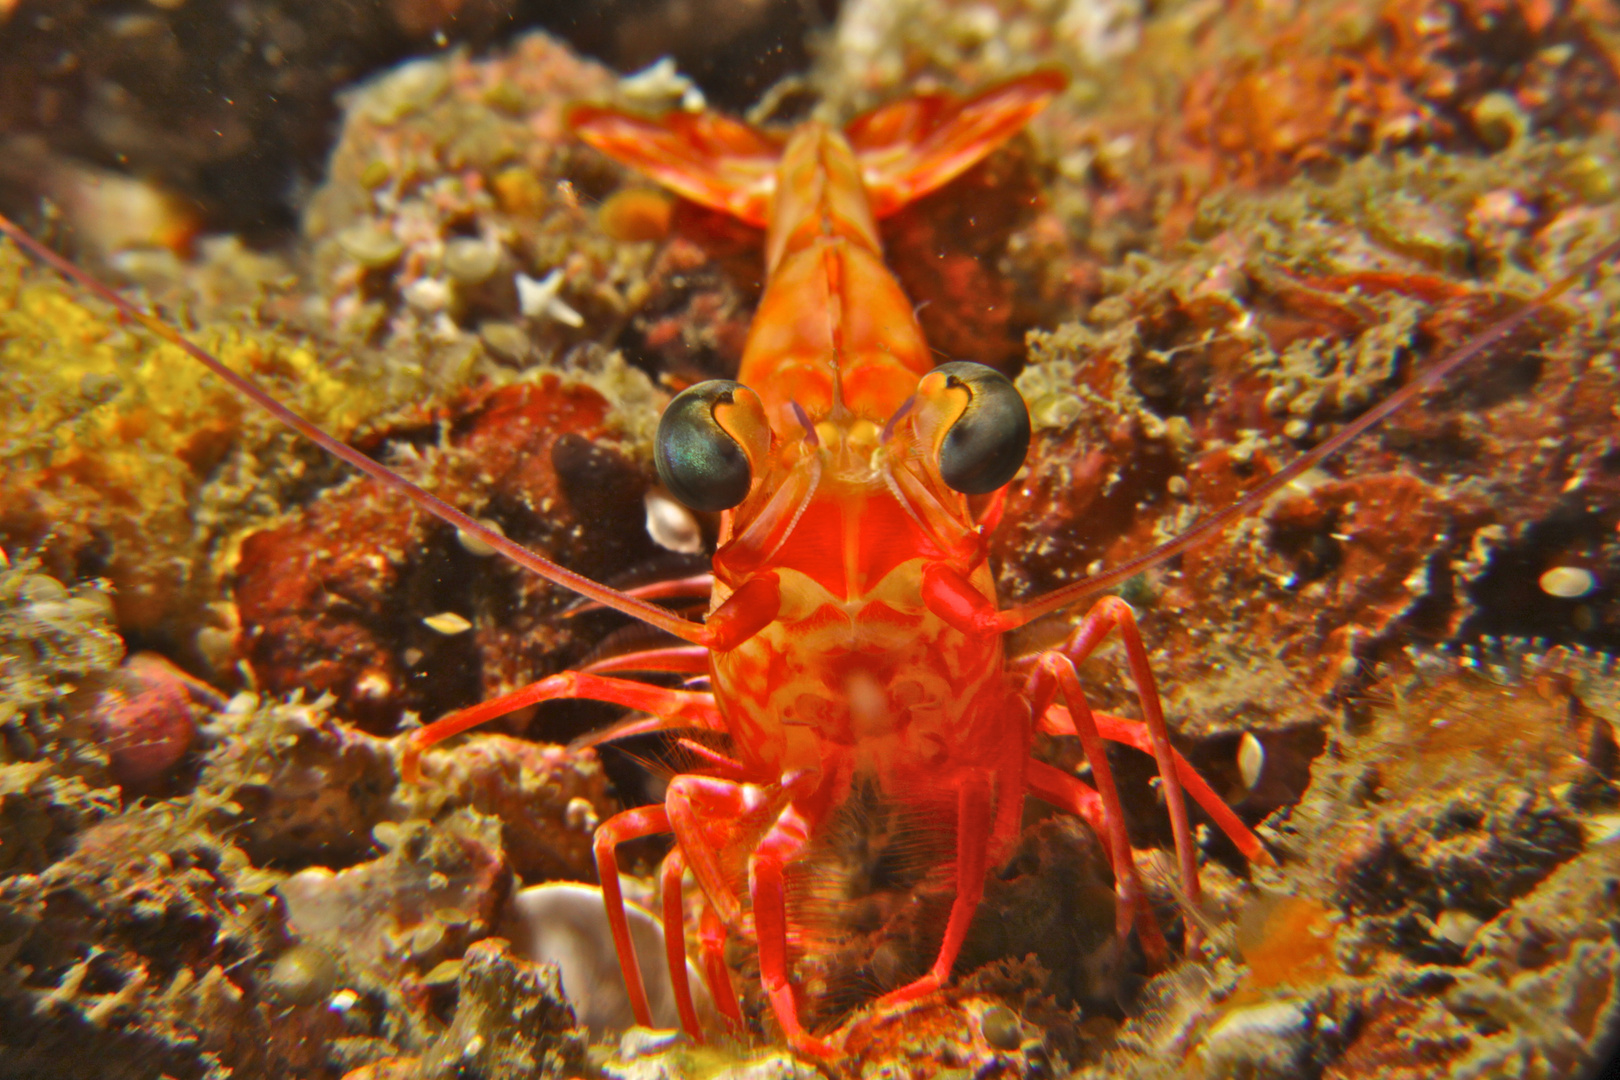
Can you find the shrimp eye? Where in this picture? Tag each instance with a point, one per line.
(710, 439)
(977, 422)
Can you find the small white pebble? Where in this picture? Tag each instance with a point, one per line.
(581, 815)
(373, 685)
(447, 623)
(427, 295)
(660, 83)
(1457, 927)
(671, 525)
(475, 545)
(343, 1001)
(1568, 582)
(1251, 759)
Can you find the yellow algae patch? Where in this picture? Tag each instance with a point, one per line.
(108, 434)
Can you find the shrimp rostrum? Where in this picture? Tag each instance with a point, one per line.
(853, 640)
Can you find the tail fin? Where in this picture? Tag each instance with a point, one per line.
(918, 144)
(906, 149)
(706, 157)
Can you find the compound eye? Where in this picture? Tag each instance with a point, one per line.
(978, 423)
(710, 439)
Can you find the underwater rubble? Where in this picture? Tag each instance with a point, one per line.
(1239, 227)
(174, 118)
(1446, 905)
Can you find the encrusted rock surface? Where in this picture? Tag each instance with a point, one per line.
(1191, 289)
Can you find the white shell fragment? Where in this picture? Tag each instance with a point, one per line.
(566, 925)
(671, 525)
(1251, 759)
(1457, 927)
(1265, 1040)
(1568, 582)
(427, 295)
(473, 545)
(659, 84)
(447, 623)
(539, 299)
(581, 815)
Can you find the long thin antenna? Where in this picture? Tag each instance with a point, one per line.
(539, 564)
(1207, 528)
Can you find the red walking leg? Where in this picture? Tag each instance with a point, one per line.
(973, 825)
(1054, 673)
(1113, 614)
(1134, 733)
(629, 825)
(712, 944)
(1067, 793)
(708, 814)
(766, 866)
(675, 708)
(702, 812)
(669, 879)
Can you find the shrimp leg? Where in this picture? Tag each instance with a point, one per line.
(622, 827)
(1113, 614)
(989, 808)
(712, 944)
(766, 868)
(669, 880)
(1134, 733)
(1054, 673)
(975, 796)
(677, 708)
(708, 815)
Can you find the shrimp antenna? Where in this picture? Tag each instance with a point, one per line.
(539, 564)
(1206, 529)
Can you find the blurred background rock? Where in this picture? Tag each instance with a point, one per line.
(227, 108)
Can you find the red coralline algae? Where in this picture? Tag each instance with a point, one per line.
(333, 600)
(145, 719)
(1339, 81)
